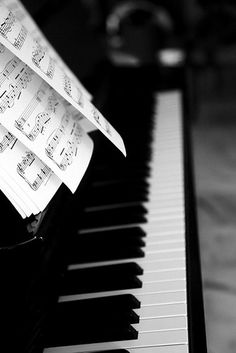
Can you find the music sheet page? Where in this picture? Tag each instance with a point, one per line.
(45, 116)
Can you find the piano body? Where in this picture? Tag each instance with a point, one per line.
(114, 267)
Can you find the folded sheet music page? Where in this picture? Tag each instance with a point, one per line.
(45, 116)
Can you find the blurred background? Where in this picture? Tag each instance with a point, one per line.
(201, 34)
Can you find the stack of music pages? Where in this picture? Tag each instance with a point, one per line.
(45, 116)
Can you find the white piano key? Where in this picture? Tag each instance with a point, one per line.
(162, 298)
(176, 229)
(178, 296)
(171, 210)
(147, 288)
(167, 245)
(161, 324)
(167, 190)
(142, 262)
(162, 310)
(165, 254)
(164, 238)
(146, 339)
(158, 208)
(160, 226)
(156, 217)
(170, 224)
(169, 196)
(180, 348)
(156, 203)
(165, 275)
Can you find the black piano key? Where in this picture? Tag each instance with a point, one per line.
(119, 233)
(104, 253)
(89, 321)
(114, 216)
(78, 335)
(120, 302)
(122, 173)
(132, 236)
(93, 316)
(104, 278)
(108, 242)
(107, 245)
(69, 330)
(116, 192)
(138, 180)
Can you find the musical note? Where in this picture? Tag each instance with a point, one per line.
(13, 31)
(64, 157)
(74, 92)
(55, 140)
(71, 150)
(23, 170)
(20, 122)
(20, 39)
(39, 56)
(41, 118)
(8, 69)
(40, 121)
(7, 98)
(7, 140)
(2, 48)
(51, 68)
(7, 25)
(101, 120)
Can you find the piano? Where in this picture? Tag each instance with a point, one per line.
(115, 267)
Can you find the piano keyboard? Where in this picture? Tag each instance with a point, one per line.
(157, 308)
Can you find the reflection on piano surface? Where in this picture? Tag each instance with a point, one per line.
(115, 268)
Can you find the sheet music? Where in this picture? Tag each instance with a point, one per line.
(44, 123)
(23, 16)
(15, 37)
(45, 116)
(27, 172)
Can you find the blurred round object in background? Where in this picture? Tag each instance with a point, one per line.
(135, 31)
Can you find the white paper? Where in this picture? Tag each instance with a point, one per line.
(36, 115)
(45, 116)
(24, 18)
(27, 174)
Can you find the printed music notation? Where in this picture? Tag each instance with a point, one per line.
(23, 167)
(7, 97)
(8, 69)
(74, 92)
(64, 156)
(7, 140)
(13, 31)
(103, 123)
(42, 65)
(43, 61)
(45, 116)
(30, 179)
(41, 119)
